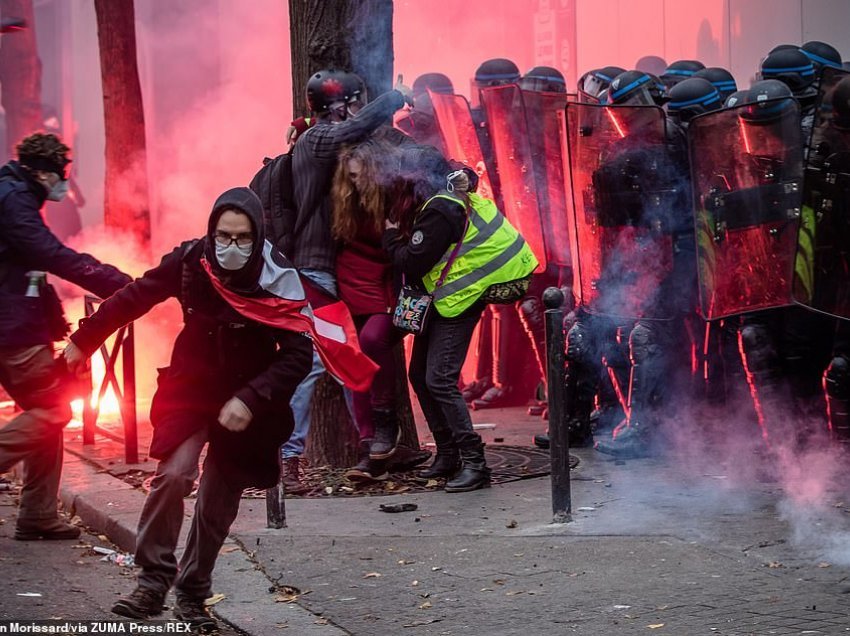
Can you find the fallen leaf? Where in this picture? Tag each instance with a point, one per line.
(511, 524)
(499, 581)
(436, 568)
(656, 625)
(405, 562)
(426, 605)
(432, 483)
(514, 592)
(372, 575)
(775, 564)
(824, 564)
(228, 549)
(215, 598)
(321, 621)
(328, 491)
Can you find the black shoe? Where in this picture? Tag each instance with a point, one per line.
(541, 440)
(194, 612)
(405, 459)
(52, 530)
(446, 464)
(142, 603)
(368, 469)
(387, 434)
(627, 442)
(292, 476)
(474, 473)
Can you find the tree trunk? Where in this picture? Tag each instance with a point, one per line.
(126, 205)
(352, 35)
(20, 75)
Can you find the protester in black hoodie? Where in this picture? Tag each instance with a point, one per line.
(229, 383)
(31, 319)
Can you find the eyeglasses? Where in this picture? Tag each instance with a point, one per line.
(243, 239)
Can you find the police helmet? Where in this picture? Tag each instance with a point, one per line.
(634, 88)
(544, 78)
(792, 67)
(691, 97)
(680, 70)
(821, 54)
(327, 87)
(737, 98)
(595, 81)
(435, 82)
(767, 101)
(720, 78)
(782, 47)
(496, 72)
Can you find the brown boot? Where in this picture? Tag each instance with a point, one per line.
(292, 475)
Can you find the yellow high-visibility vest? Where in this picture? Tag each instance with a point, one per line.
(492, 252)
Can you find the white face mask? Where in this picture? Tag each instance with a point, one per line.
(58, 192)
(232, 257)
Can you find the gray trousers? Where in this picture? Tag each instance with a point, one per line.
(162, 517)
(34, 436)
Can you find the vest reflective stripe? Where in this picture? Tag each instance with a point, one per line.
(492, 252)
(804, 263)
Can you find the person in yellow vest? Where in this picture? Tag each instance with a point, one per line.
(462, 251)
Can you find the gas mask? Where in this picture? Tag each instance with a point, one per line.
(232, 257)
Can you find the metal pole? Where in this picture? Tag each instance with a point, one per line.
(276, 506)
(89, 414)
(128, 404)
(559, 440)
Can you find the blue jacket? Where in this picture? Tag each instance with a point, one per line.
(27, 244)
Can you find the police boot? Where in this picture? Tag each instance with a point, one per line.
(501, 391)
(367, 469)
(628, 441)
(476, 388)
(387, 434)
(447, 460)
(473, 474)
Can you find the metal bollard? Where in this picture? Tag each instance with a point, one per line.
(276, 506)
(559, 440)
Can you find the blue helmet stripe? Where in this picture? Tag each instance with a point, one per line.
(802, 70)
(676, 71)
(819, 59)
(625, 89)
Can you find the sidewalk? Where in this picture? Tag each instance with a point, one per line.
(691, 544)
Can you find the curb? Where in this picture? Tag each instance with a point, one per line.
(109, 506)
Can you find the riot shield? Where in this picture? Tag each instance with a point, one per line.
(747, 169)
(625, 191)
(460, 138)
(508, 128)
(554, 197)
(822, 265)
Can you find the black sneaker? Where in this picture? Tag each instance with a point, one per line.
(194, 612)
(142, 603)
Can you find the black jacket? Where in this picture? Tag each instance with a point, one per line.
(27, 244)
(217, 355)
(313, 165)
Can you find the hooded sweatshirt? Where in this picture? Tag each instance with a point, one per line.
(217, 355)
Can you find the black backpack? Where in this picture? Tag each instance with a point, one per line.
(273, 184)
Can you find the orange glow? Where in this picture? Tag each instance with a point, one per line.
(616, 123)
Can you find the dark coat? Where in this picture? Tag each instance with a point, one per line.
(217, 355)
(27, 244)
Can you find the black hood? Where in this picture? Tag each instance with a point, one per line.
(19, 173)
(246, 279)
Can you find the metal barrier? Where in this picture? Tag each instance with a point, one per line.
(125, 345)
(559, 436)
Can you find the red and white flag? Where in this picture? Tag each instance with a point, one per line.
(295, 305)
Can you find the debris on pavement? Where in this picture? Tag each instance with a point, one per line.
(399, 507)
(122, 559)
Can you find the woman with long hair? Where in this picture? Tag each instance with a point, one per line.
(363, 196)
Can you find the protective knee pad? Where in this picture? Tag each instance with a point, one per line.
(758, 349)
(642, 343)
(578, 343)
(837, 378)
